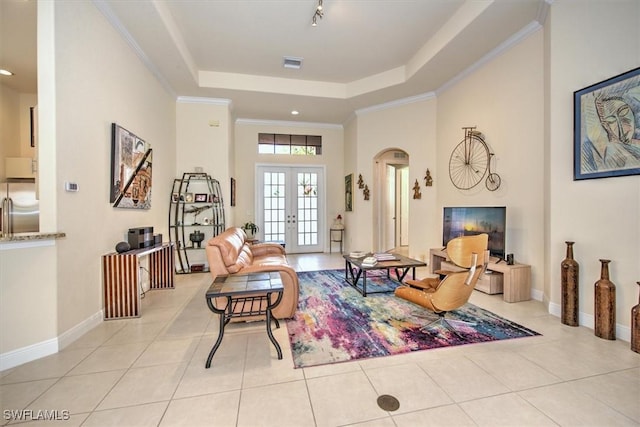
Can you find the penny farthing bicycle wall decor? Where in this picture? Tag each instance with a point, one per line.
(470, 162)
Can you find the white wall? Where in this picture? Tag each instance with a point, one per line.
(100, 80)
(27, 298)
(591, 41)
(203, 129)
(410, 127)
(247, 157)
(504, 98)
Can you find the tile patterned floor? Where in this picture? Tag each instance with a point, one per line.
(150, 372)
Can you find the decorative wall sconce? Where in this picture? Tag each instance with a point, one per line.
(428, 181)
(360, 181)
(416, 191)
(366, 192)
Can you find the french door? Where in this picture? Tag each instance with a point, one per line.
(290, 206)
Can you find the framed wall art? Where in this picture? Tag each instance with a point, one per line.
(348, 193)
(131, 165)
(607, 128)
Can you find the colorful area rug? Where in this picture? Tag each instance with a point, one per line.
(334, 323)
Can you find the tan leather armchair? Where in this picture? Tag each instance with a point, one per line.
(441, 296)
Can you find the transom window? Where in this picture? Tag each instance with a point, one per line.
(278, 143)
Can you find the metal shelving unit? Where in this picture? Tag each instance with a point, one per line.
(196, 214)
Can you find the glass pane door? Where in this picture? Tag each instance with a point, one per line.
(290, 202)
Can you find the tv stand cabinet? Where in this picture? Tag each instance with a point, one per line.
(513, 281)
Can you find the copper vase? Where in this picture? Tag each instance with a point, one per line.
(569, 269)
(635, 326)
(605, 304)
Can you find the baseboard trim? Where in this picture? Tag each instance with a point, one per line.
(80, 329)
(35, 351)
(537, 295)
(26, 354)
(587, 320)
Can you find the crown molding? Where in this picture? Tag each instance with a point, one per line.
(106, 10)
(512, 41)
(396, 103)
(254, 122)
(201, 100)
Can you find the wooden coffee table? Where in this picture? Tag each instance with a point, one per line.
(354, 270)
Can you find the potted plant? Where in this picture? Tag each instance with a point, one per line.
(250, 228)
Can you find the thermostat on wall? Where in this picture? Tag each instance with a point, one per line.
(71, 186)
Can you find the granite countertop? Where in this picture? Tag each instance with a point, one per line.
(25, 237)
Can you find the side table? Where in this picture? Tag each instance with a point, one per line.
(336, 235)
(246, 295)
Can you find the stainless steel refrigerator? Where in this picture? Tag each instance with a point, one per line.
(20, 207)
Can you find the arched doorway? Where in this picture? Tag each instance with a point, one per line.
(391, 198)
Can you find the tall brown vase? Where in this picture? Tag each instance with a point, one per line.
(605, 304)
(635, 326)
(569, 269)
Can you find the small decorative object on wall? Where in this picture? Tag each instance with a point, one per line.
(131, 162)
(416, 191)
(360, 182)
(635, 326)
(569, 270)
(606, 132)
(605, 304)
(233, 191)
(428, 181)
(348, 193)
(366, 192)
(201, 197)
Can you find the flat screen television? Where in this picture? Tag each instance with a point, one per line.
(467, 221)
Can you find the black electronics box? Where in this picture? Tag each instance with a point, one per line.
(141, 237)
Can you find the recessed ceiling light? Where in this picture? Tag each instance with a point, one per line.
(295, 112)
(5, 72)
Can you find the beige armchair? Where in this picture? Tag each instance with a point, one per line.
(441, 296)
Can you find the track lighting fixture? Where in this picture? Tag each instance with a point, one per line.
(318, 13)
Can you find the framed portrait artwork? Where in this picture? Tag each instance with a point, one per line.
(131, 164)
(348, 193)
(201, 197)
(607, 128)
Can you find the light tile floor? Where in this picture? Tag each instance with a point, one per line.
(150, 372)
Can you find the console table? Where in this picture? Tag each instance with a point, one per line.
(122, 278)
(512, 281)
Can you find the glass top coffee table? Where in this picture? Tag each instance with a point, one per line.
(354, 270)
